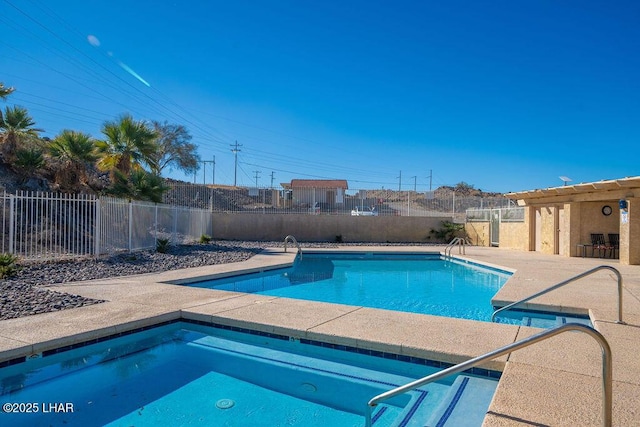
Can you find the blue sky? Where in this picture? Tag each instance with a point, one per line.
(503, 95)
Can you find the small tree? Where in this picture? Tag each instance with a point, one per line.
(463, 187)
(174, 149)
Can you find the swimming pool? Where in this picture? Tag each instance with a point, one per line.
(417, 283)
(184, 373)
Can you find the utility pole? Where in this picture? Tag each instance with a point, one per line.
(430, 178)
(204, 170)
(272, 178)
(235, 150)
(400, 181)
(256, 177)
(415, 180)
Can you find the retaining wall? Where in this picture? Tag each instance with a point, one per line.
(323, 228)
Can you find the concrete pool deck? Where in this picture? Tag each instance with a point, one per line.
(556, 382)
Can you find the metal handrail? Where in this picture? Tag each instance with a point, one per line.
(572, 279)
(295, 242)
(460, 242)
(607, 398)
(450, 246)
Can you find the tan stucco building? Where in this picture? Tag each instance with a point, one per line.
(560, 220)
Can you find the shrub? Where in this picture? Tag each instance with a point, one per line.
(29, 159)
(162, 245)
(8, 266)
(205, 238)
(448, 231)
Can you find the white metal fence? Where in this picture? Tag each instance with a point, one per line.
(45, 225)
(131, 226)
(328, 201)
(514, 214)
(48, 225)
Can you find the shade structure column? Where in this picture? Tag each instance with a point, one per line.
(630, 232)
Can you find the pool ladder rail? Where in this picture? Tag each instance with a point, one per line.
(565, 282)
(295, 242)
(607, 398)
(457, 241)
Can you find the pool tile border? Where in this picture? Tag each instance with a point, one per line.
(481, 372)
(14, 361)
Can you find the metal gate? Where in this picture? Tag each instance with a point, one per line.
(494, 235)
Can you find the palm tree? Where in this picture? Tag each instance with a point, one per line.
(16, 126)
(75, 151)
(5, 91)
(129, 145)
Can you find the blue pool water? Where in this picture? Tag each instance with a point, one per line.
(188, 374)
(423, 284)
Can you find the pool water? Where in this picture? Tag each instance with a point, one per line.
(187, 374)
(423, 284)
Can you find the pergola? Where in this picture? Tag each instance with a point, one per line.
(564, 216)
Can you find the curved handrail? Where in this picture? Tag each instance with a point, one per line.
(607, 398)
(572, 279)
(295, 242)
(450, 246)
(456, 240)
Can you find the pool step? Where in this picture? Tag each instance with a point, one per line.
(545, 322)
(562, 320)
(465, 404)
(385, 415)
(539, 319)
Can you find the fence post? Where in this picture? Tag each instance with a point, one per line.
(98, 228)
(130, 223)
(155, 226)
(12, 227)
(175, 224)
(4, 218)
(453, 208)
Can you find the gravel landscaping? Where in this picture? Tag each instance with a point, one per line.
(22, 294)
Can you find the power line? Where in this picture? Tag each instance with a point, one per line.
(65, 45)
(104, 68)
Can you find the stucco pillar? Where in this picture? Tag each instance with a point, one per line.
(630, 233)
(548, 230)
(530, 224)
(572, 214)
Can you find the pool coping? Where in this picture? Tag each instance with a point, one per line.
(139, 301)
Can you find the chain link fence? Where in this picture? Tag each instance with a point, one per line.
(329, 201)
